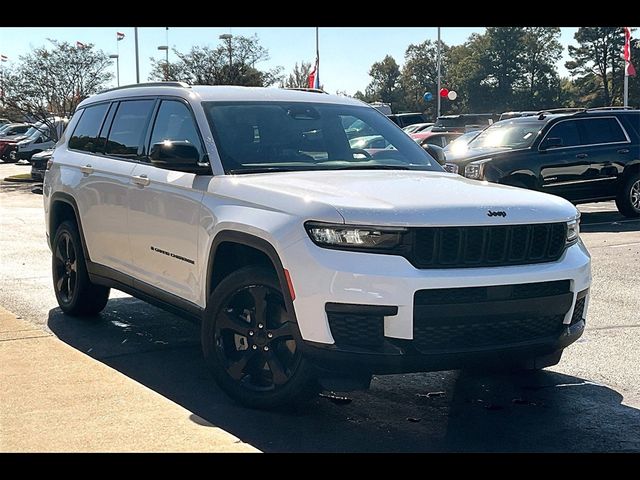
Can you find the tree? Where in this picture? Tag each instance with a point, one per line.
(232, 63)
(385, 84)
(541, 51)
(420, 74)
(49, 82)
(597, 65)
(299, 77)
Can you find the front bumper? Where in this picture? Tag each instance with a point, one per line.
(340, 277)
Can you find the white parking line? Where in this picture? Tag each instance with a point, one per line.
(625, 244)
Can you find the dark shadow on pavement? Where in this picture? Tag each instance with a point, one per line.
(608, 221)
(441, 411)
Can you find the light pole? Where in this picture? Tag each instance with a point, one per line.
(117, 57)
(135, 31)
(228, 37)
(166, 62)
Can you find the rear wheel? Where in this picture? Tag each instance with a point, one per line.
(74, 291)
(249, 344)
(628, 199)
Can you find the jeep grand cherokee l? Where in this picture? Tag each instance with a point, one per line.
(308, 262)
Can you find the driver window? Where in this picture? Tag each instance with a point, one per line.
(567, 131)
(175, 123)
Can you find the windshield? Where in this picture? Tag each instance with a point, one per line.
(450, 122)
(254, 137)
(36, 131)
(507, 134)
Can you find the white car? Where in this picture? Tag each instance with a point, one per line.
(309, 263)
(39, 138)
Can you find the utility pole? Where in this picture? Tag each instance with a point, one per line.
(439, 62)
(135, 29)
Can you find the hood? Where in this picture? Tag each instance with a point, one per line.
(13, 139)
(396, 198)
(472, 154)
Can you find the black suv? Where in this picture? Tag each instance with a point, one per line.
(583, 155)
(464, 122)
(406, 119)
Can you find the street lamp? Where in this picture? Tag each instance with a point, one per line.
(166, 62)
(228, 37)
(117, 57)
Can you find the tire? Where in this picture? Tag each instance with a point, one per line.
(74, 291)
(628, 199)
(252, 352)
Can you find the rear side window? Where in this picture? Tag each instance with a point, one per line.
(602, 130)
(85, 136)
(128, 128)
(175, 123)
(566, 131)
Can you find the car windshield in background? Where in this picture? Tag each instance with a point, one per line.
(36, 131)
(254, 137)
(507, 134)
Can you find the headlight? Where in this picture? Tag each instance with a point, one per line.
(354, 237)
(573, 230)
(474, 171)
(451, 167)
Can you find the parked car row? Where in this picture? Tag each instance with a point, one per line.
(20, 141)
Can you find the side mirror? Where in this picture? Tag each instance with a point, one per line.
(551, 142)
(436, 152)
(178, 155)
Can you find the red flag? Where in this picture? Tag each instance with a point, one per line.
(80, 45)
(312, 77)
(3, 58)
(629, 69)
(119, 36)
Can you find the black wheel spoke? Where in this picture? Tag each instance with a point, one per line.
(59, 283)
(67, 247)
(69, 286)
(259, 295)
(236, 367)
(230, 320)
(283, 331)
(59, 255)
(277, 369)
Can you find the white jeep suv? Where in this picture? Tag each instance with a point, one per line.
(308, 262)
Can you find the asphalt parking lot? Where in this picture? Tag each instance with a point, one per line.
(589, 402)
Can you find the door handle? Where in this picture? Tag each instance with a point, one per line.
(582, 155)
(623, 150)
(87, 169)
(141, 180)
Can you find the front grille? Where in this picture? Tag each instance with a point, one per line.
(441, 296)
(459, 319)
(478, 332)
(490, 246)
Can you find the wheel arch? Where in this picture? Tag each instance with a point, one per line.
(64, 207)
(256, 250)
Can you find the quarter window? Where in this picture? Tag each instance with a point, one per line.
(85, 136)
(128, 127)
(602, 130)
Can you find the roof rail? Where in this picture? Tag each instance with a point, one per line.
(304, 89)
(562, 110)
(149, 84)
(610, 108)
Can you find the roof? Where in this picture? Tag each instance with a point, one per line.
(219, 93)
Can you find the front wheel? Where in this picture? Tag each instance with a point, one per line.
(74, 291)
(249, 344)
(628, 199)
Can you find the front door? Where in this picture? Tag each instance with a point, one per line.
(164, 211)
(565, 165)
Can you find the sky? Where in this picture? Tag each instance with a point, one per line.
(346, 53)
